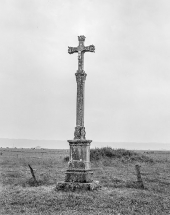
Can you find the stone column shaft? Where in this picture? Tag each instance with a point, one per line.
(80, 78)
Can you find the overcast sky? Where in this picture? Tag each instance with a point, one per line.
(127, 93)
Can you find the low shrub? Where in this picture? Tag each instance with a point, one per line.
(66, 159)
(122, 154)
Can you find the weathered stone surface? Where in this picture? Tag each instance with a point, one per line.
(79, 167)
(79, 141)
(79, 130)
(68, 186)
(80, 151)
(79, 176)
(81, 49)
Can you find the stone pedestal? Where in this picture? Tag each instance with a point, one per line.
(79, 168)
(79, 175)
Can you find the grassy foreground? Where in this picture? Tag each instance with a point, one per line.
(114, 169)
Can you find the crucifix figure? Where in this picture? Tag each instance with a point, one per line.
(81, 49)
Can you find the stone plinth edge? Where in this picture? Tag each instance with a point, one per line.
(79, 141)
(70, 186)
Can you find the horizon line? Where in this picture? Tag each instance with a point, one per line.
(92, 140)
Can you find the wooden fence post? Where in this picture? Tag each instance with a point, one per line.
(139, 178)
(32, 173)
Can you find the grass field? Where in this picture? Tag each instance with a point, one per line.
(119, 193)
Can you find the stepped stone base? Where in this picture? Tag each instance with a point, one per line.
(74, 186)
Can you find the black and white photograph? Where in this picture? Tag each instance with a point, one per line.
(85, 107)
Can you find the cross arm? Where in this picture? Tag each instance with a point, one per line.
(90, 48)
(72, 50)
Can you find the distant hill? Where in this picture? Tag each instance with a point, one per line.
(26, 143)
(63, 144)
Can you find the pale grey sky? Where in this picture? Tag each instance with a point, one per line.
(128, 78)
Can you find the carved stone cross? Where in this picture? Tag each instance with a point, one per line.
(81, 49)
(80, 78)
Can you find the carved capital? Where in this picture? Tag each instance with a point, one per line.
(80, 76)
(79, 133)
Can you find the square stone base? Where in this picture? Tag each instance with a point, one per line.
(73, 186)
(79, 176)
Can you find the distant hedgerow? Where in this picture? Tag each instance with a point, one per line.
(108, 152)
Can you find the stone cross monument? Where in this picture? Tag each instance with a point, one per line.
(79, 174)
(80, 78)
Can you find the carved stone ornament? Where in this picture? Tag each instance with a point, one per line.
(81, 38)
(80, 76)
(81, 49)
(83, 133)
(90, 48)
(72, 50)
(79, 133)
